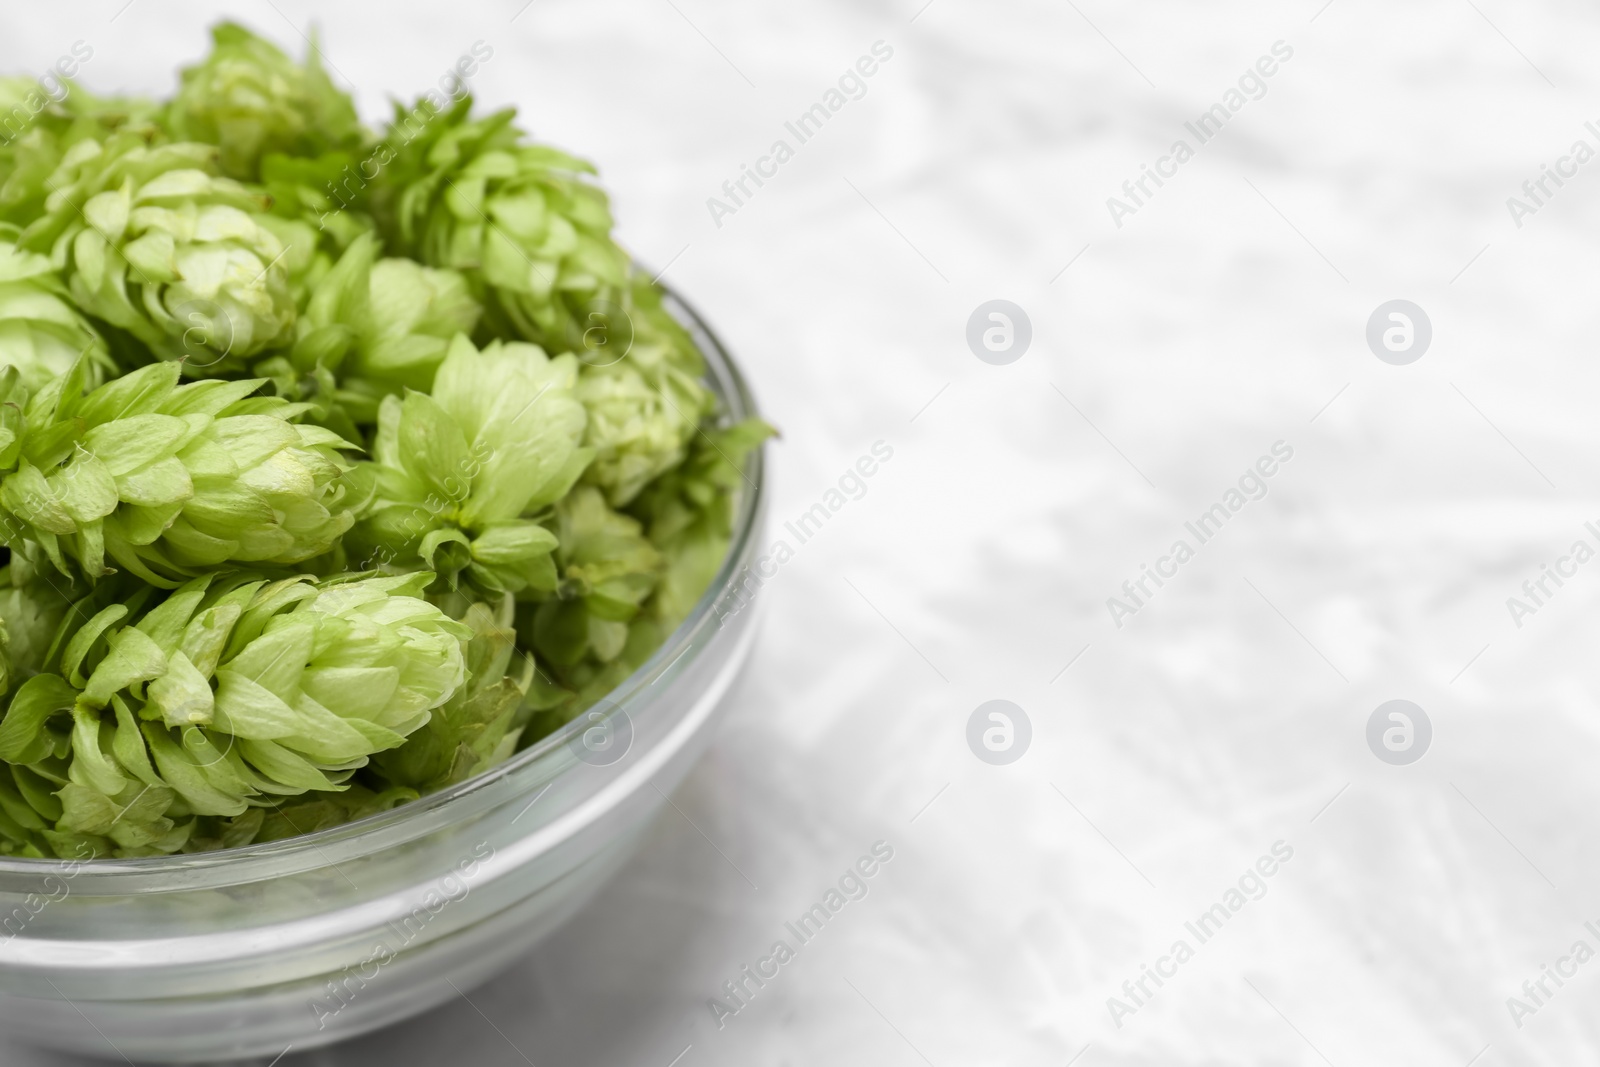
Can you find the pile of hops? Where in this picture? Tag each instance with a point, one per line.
(317, 495)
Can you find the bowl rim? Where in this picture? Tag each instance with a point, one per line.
(723, 375)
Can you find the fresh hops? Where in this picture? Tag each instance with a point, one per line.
(460, 474)
(522, 221)
(480, 725)
(227, 693)
(151, 240)
(335, 467)
(169, 481)
(41, 333)
(646, 403)
(250, 99)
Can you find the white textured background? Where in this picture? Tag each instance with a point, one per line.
(1223, 316)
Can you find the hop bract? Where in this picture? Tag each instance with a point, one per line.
(395, 317)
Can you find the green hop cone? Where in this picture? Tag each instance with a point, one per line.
(151, 241)
(413, 313)
(480, 725)
(689, 514)
(251, 100)
(371, 328)
(41, 333)
(170, 481)
(40, 118)
(629, 579)
(608, 571)
(227, 694)
(458, 473)
(33, 124)
(523, 222)
(645, 404)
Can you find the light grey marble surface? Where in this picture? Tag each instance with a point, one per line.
(1225, 314)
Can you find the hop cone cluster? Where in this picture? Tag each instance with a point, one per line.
(336, 465)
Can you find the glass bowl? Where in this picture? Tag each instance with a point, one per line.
(298, 943)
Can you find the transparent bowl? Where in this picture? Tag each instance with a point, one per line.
(247, 952)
